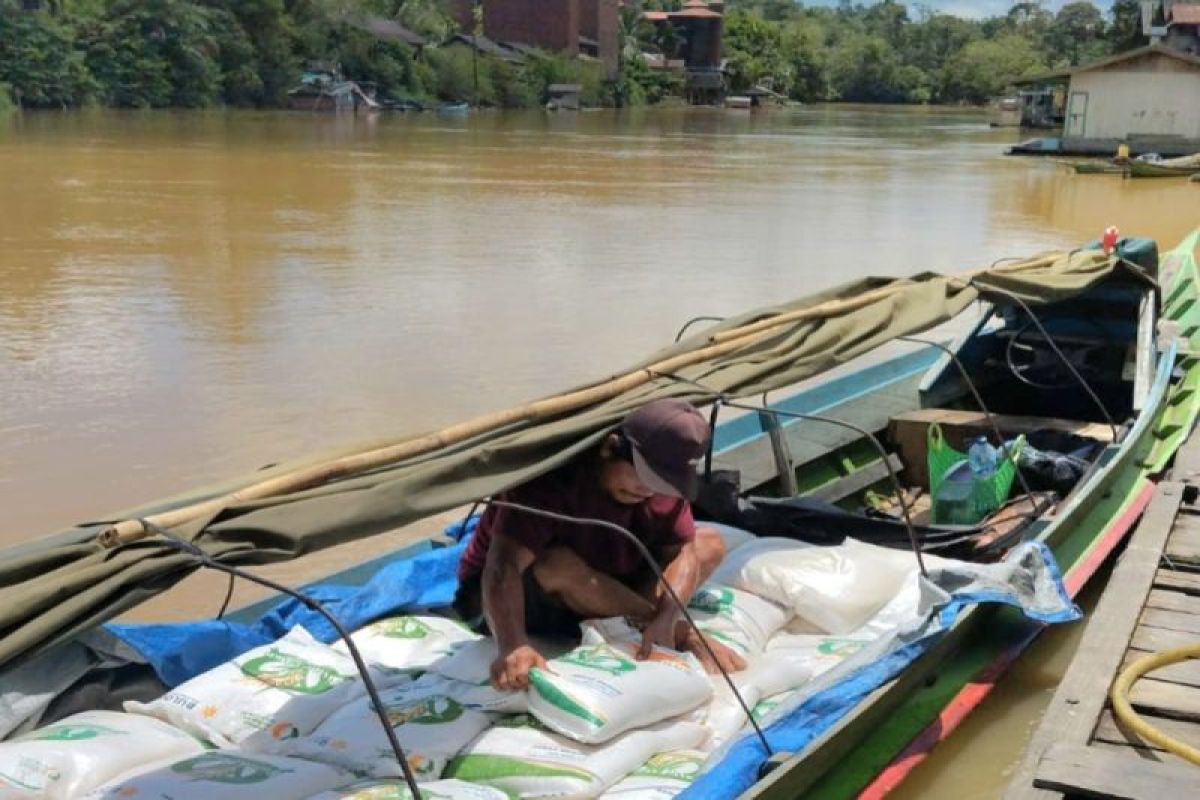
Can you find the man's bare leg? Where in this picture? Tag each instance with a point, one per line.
(588, 592)
(710, 551)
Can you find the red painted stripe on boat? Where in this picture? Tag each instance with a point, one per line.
(1085, 569)
(974, 693)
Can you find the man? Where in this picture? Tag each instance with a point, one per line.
(525, 574)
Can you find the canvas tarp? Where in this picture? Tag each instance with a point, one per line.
(53, 588)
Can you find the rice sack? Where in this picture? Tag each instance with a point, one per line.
(836, 588)
(738, 619)
(431, 727)
(662, 777)
(767, 675)
(277, 691)
(520, 756)
(84, 751)
(226, 775)
(408, 645)
(469, 666)
(398, 790)
(600, 690)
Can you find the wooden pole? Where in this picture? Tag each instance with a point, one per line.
(722, 344)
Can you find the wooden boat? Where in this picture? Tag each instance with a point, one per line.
(1168, 168)
(1095, 167)
(1129, 340)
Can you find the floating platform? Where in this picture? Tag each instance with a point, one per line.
(1151, 604)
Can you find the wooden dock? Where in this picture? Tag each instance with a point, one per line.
(1151, 604)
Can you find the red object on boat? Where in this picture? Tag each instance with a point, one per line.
(1111, 236)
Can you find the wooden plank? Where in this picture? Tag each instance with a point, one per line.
(1151, 640)
(856, 481)
(1184, 545)
(1173, 601)
(1077, 770)
(1075, 708)
(785, 466)
(1188, 582)
(1185, 672)
(1140, 752)
(1171, 620)
(1113, 731)
(1171, 700)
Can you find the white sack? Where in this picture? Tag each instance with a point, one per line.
(767, 675)
(520, 756)
(408, 644)
(737, 619)
(600, 690)
(731, 537)
(277, 691)
(836, 588)
(75, 755)
(398, 790)
(227, 775)
(662, 777)
(470, 667)
(431, 727)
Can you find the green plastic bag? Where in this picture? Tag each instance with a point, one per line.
(966, 499)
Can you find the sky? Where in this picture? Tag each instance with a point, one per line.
(966, 8)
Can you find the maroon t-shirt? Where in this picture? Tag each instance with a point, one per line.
(574, 490)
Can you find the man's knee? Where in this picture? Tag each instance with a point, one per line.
(710, 550)
(559, 569)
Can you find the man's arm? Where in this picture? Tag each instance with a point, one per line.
(504, 608)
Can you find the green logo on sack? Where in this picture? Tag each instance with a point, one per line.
(436, 710)
(292, 674)
(73, 733)
(402, 628)
(712, 601)
(673, 766)
(224, 768)
(840, 648)
(519, 721)
(599, 657)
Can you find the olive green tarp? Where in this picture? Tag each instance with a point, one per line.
(53, 588)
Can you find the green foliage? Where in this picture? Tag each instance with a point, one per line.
(154, 53)
(6, 102)
(983, 69)
(39, 63)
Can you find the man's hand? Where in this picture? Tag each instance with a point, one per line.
(727, 659)
(510, 671)
(660, 631)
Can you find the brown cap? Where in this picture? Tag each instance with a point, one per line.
(669, 437)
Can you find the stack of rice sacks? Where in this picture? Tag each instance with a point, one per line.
(291, 720)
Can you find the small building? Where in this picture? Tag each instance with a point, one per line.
(388, 30)
(485, 46)
(695, 34)
(1173, 23)
(1148, 98)
(563, 96)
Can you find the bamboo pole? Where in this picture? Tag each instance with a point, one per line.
(132, 530)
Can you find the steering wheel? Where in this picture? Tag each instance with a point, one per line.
(1034, 363)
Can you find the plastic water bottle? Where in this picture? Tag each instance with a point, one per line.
(982, 457)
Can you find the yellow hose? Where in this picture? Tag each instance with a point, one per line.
(1130, 718)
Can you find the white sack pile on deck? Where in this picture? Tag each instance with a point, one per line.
(291, 720)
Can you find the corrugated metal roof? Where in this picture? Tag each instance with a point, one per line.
(390, 29)
(1186, 14)
(697, 13)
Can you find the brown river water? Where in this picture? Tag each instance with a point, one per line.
(185, 297)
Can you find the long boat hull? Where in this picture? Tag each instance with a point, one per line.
(1148, 169)
(875, 744)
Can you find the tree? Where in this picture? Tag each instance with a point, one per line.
(40, 63)
(984, 69)
(1125, 33)
(1076, 32)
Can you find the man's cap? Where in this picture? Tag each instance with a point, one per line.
(668, 438)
